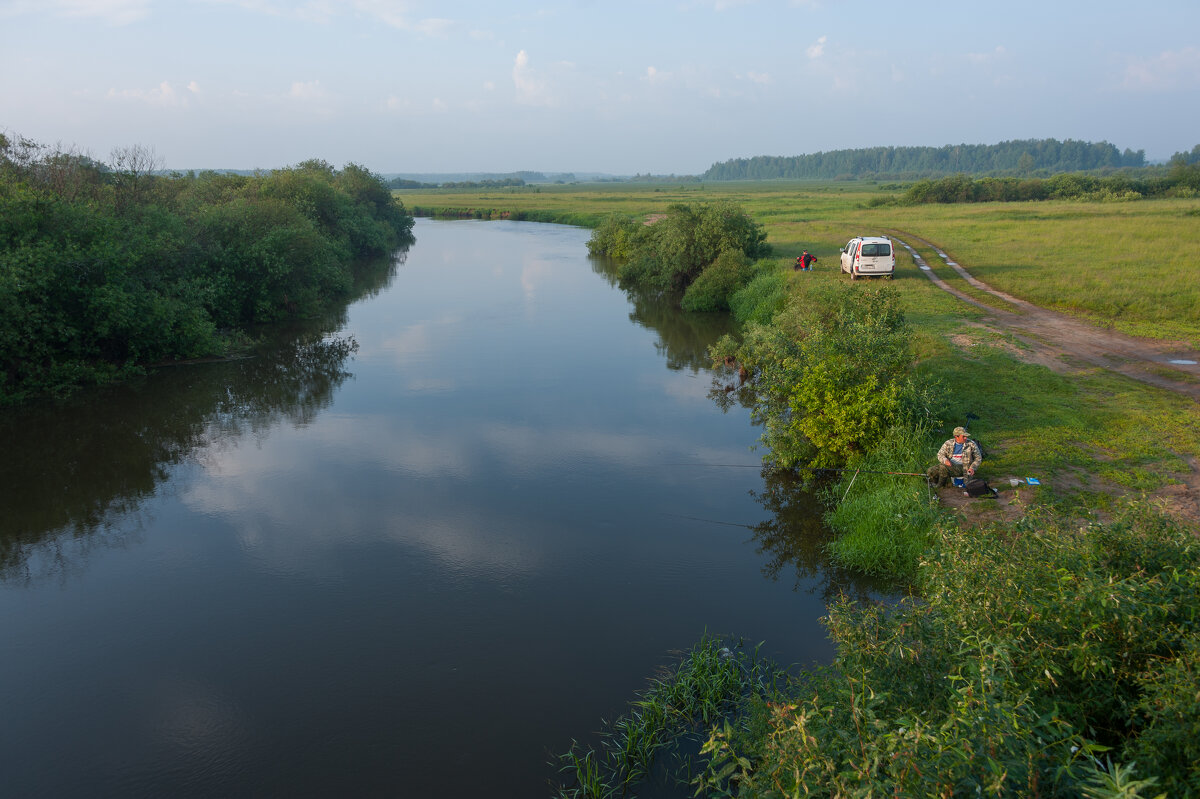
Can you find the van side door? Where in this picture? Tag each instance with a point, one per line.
(848, 255)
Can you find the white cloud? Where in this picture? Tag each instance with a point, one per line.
(654, 75)
(716, 5)
(1172, 69)
(428, 27)
(393, 13)
(983, 58)
(193, 87)
(758, 77)
(531, 88)
(162, 95)
(818, 49)
(307, 91)
(114, 12)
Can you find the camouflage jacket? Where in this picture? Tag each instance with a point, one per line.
(971, 454)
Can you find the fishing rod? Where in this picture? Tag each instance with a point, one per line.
(709, 521)
(814, 469)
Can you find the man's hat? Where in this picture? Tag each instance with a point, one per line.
(961, 431)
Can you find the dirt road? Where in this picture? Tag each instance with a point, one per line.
(1066, 344)
(1061, 342)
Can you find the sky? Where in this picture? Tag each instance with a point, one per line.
(608, 86)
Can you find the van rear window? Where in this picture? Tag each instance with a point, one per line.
(876, 250)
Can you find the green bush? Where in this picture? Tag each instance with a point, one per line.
(615, 237)
(103, 272)
(1030, 649)
(763, 297)
(711, 290)
(1064, 186)
(673, 252)
(831, 375)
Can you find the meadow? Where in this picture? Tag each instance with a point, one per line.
(1133, 266)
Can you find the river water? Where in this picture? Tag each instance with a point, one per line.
(412, 550)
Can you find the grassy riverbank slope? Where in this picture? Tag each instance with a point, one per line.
(1052, 648)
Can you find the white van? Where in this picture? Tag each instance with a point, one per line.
(867, 256)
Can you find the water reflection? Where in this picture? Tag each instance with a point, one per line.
(100, 454)
(794, 539)
(451, 561)
(683, 338)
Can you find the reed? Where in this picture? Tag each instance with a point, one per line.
(711, 684)
(883, 522)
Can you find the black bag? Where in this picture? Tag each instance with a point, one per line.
(975, 487)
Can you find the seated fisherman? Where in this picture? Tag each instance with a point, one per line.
(958, 457)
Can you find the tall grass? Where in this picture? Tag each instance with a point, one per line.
(764, 296)
(1035, 649)
(711, 683)
(883, 522)
(1132, 266)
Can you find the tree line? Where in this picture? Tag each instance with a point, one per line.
(1018, 157)
(106, 268)
(405, 183)
(1181, 179)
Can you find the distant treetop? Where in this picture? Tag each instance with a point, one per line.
(1018, 157)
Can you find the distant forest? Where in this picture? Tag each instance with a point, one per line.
(1021, 157)
(475, 180)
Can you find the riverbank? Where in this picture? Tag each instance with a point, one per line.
(105, 271)
(1089, 435)
(958, 684)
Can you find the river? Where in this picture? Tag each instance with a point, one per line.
(413, 549)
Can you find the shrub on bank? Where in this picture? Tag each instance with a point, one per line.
(1040, 659)
(671, 254)
(831, 374)
(104, 270)
(764, 296)
(711, 290)
(615, 237)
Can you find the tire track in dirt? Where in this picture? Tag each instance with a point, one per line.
(1055, 339)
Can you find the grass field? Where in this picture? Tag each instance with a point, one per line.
(1134, 266)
